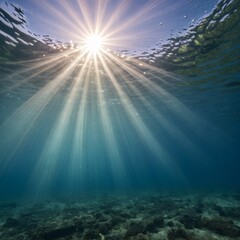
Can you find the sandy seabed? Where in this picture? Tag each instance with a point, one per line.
(141, 216)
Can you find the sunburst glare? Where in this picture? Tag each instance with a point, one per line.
(94, 43)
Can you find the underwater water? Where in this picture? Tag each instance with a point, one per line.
(127, 147)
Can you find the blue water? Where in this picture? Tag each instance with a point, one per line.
(172, 123)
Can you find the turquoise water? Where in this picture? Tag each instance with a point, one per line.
(167, 119)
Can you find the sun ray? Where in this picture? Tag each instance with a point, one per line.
(35, 69)
(31, 75)
(115, 157)
(84, 18)
(165, 123)
(53, 146)
(28, 114)
(176, 107)
(100, 13)
(141, 128)
(76, 165)
(85, 117)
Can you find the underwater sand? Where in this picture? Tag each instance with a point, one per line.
(155, 215)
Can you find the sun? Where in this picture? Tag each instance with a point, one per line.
(94, 43)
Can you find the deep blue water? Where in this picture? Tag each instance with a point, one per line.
(172, 123)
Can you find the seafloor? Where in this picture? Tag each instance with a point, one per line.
(160, 216)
